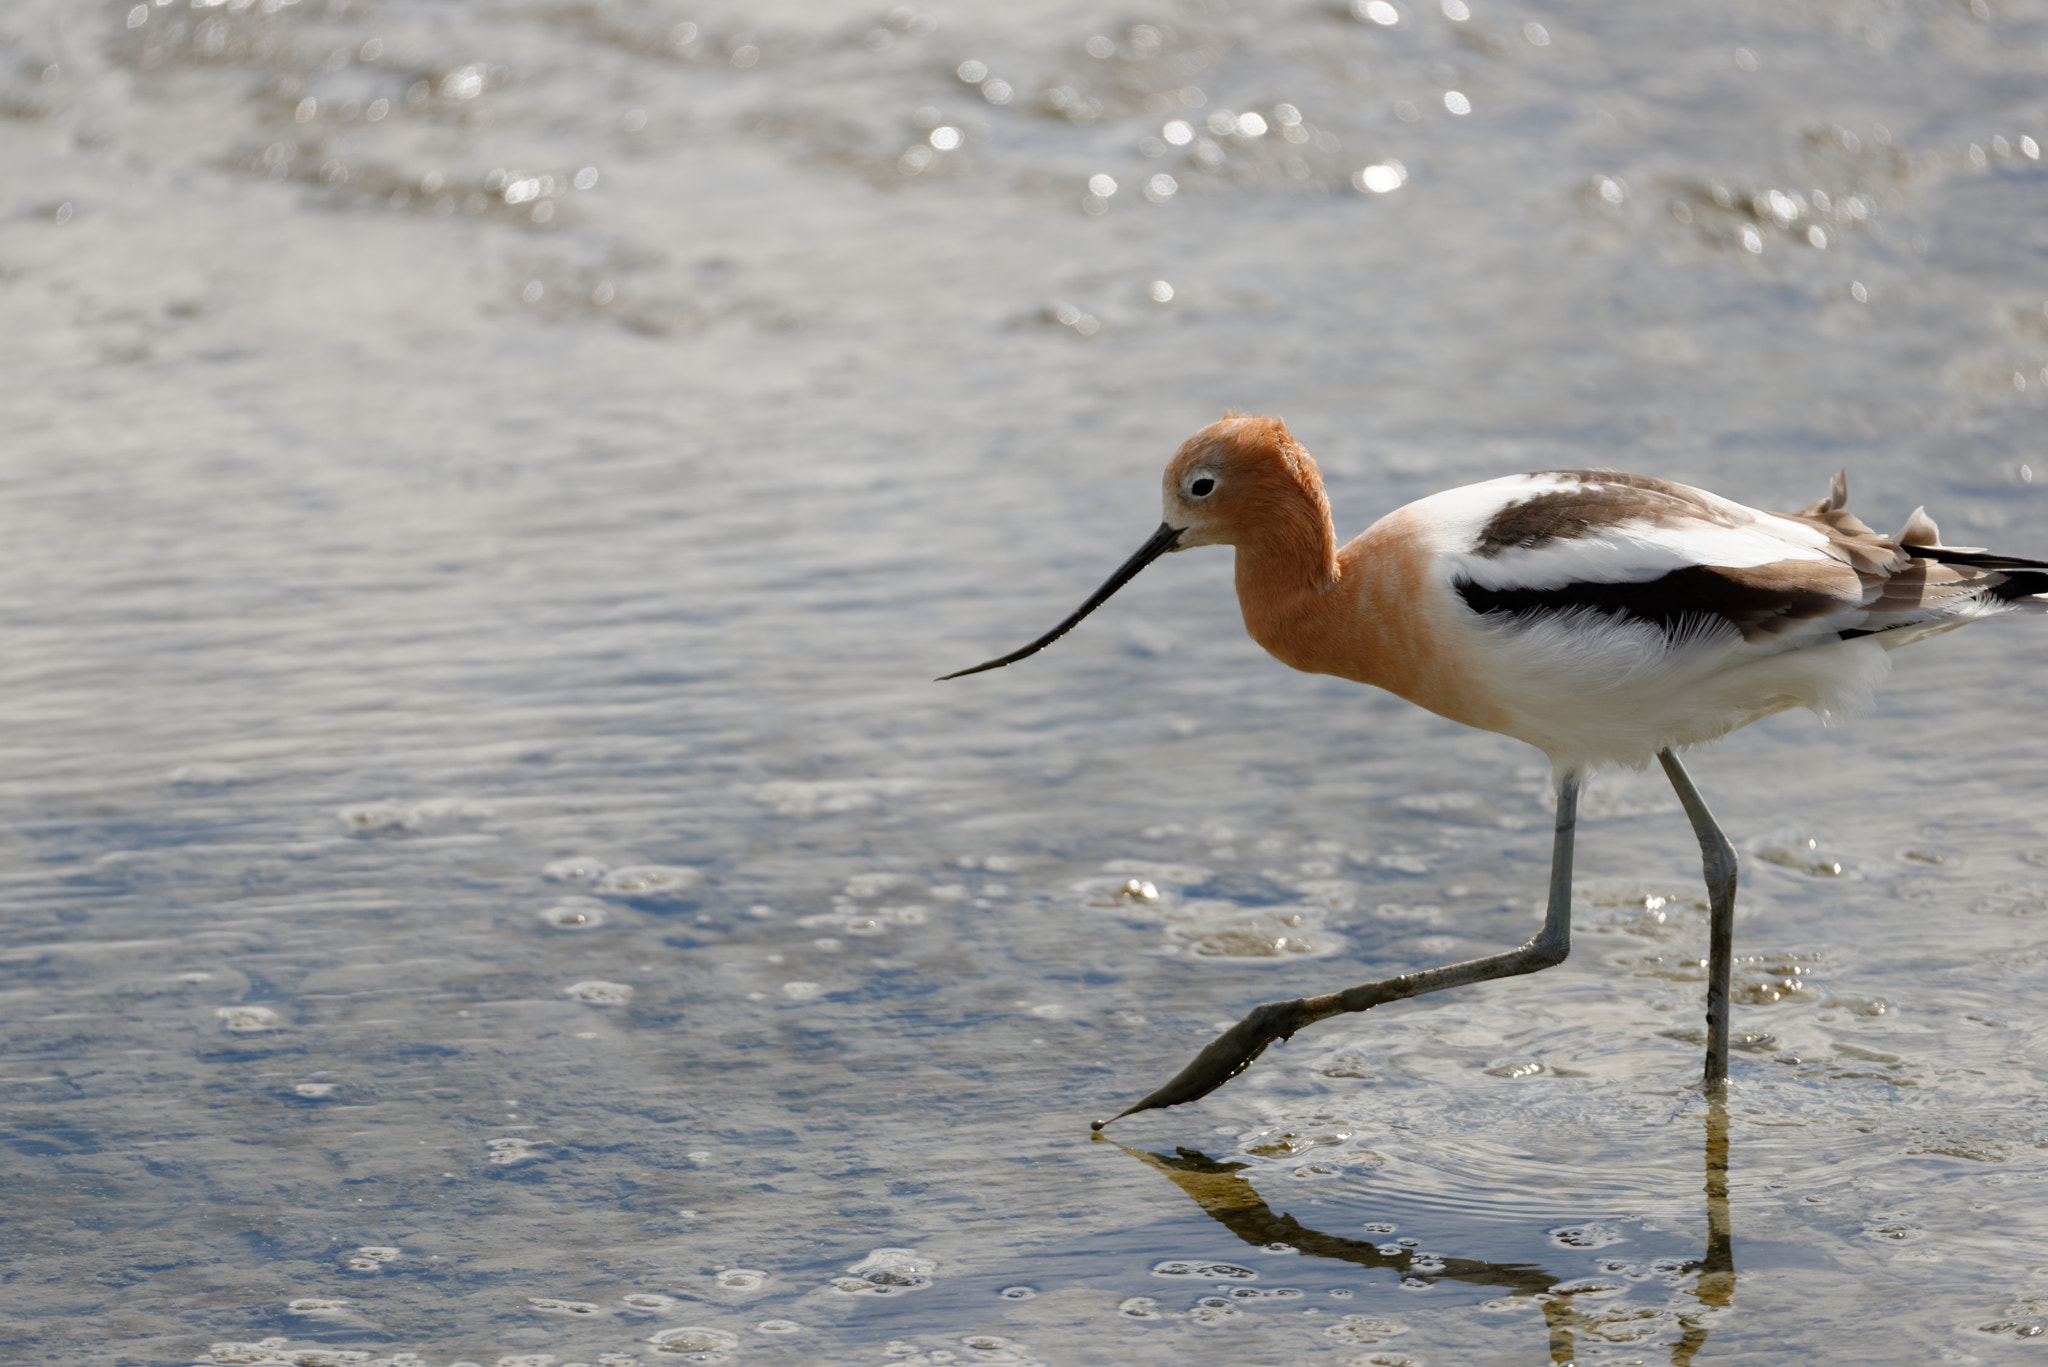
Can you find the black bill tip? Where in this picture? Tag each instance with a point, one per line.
(1167, 538)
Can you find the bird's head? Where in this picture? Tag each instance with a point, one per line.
(1237, 478)
(1240, 481)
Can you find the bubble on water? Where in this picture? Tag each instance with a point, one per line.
(314, 1091)
(505, 1152)
(561, 1307)
(600, 993)
(576, 869)
(1223, 930)
(652, 883)
(1591, 1288)
(886, 1272)
(380, 818)
(1122, 893)
(1379, 1227)
(1800, 852)
(1140, 1308)
(1765, 984)
(1017, 1293)
(1213, 1310)
(1586, 1236)
(1289, 1142)
(317, 1307)
(1515, 1067)
(695, 1341)
(1364, 1329)
(369, 1258)
(247, 1020)
(575, 913)
(372, 818)
(2027, 1330)
(1204, 1271)
(741, 1279)
(778, 1327)
(647, 1301)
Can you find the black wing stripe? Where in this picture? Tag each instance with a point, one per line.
(1676, 603)
(2023, 578)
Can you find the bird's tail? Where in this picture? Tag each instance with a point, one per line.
(2020, 582)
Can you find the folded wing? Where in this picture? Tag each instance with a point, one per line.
(1599, 545)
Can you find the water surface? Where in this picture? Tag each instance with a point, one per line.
(486, 488)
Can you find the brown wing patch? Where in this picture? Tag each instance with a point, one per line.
(1850, 538)
(1927, 584)
(1600, 499)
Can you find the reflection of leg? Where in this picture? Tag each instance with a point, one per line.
(1715, 1288)
(1559, 1318)
(1224, 1195)
(1233, 1051)
(1718, 858)
(1717, 1270)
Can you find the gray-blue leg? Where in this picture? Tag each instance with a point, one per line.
(1233, 1051)
(1717, 859)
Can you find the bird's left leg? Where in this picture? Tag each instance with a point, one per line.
(1718, 858)
(1231, 1052)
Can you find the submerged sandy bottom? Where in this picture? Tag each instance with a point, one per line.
(489, 878)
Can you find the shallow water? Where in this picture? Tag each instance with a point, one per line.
(486, 489)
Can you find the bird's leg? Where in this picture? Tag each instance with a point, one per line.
(1231, 1052)
(1718, 858)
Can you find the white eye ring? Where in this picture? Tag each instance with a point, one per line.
(1201, 484)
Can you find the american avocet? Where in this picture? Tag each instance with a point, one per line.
(1603, 618)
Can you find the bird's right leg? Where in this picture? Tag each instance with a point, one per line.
(1231, 1052)
(1717, 857)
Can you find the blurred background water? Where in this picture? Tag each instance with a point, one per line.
(489, 878)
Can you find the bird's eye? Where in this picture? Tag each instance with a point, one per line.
(1201, 486)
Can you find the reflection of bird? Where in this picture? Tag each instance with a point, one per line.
(1603, 618)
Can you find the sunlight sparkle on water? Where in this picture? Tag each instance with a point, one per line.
(1382, 177)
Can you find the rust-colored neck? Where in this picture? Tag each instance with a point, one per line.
(1287, 570)
(1364, 613)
